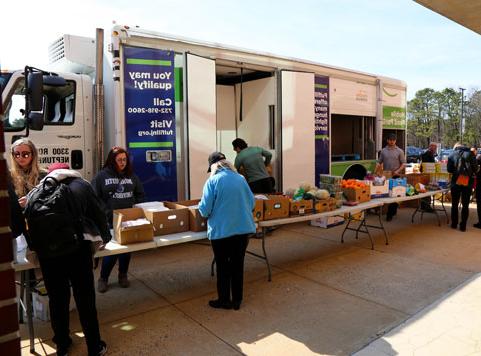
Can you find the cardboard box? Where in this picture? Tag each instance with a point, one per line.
(131, 234)
(398, 191)
(415, 178)
(379, 191)
(300, 207)
(325, 205)
(428, 167)
(396, 182)
(258, 211)
(327, 222)
(441, 167)
(171, 221)
(359, 195)
(276, 207)
(196, 221)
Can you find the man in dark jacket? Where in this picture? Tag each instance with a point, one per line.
(75, 269)
(478, 190)
(463, 167)
(429, 156)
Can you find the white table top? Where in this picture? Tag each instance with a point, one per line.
(113, 248)
(430, 193)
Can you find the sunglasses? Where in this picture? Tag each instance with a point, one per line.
(24, 154)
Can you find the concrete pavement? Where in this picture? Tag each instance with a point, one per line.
(325, 297)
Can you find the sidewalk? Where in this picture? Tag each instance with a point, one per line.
(325, 297)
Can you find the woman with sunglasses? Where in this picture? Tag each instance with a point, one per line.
(25, 171)
(119, 188)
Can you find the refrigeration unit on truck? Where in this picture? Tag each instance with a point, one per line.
(172, 101)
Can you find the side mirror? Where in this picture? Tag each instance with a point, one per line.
(34, 91)
(54, 81)
(35, 121)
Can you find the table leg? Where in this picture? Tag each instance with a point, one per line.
(381, 225)
(346, 228)
(269, 273)
(21, 300)
(28, 302)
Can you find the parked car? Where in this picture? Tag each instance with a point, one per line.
(445, 153)
(413, 154)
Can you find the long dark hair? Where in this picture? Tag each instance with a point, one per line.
(110, 161)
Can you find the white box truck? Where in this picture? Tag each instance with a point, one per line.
(171, 101)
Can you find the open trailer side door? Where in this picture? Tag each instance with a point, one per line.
(201, 119)
(298, 151)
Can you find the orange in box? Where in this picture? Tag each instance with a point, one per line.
(300, 207)
(276, 207)
(196, 221)
(131, 234)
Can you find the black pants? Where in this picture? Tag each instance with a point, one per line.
(262, 186)
(59, 274)
(463, 193)
(478, 199)
(392, 209)
(108, 263)
(229, 256)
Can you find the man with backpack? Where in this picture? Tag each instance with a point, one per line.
(463, 167)
(65, 218)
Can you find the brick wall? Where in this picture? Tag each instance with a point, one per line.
(9, 333)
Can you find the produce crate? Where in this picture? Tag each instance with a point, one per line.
(258, 211)
(300, 207)
(415, 178)
(325, 205)
(276, 207)
(359, 195)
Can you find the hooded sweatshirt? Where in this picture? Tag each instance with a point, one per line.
(117, 191)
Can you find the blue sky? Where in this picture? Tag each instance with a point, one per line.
(394, 38)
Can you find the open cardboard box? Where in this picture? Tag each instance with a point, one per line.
(131, 234)
(171, 221)
(196, 221)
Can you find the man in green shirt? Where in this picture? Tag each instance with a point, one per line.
(253, 161)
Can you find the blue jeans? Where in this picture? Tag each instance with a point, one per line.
(108, 263)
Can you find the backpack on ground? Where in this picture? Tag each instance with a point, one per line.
(54, 221)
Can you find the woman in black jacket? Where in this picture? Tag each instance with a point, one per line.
(119, 188)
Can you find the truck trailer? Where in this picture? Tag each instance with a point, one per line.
(171, 101)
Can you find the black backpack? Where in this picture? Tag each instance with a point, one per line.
(54, 222)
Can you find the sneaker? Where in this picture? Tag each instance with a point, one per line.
(102, 285)
(454, 226)
(236, 305)
(219, 304)
(102, 350)
(462, 228)
(63, 350)
(124, 280)
(477, 225)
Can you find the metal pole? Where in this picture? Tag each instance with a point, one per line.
(461, 125)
